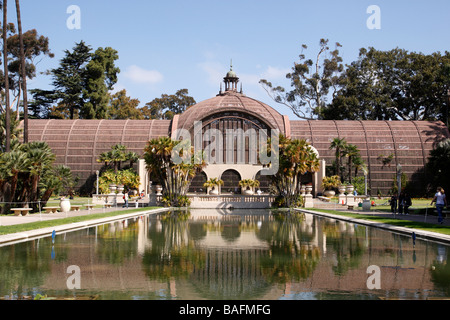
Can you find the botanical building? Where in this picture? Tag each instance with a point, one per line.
(229, 127)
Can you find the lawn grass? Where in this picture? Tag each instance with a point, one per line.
(57, 222)
(431, 227)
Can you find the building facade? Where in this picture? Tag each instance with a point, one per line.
(229, 128)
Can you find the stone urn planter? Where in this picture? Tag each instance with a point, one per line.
(341, 189)
(309, 189)
(64, 205)
(214, 191)
(112, 188)
(158, 190)
(349, 189)
(303, 190)
(329, 193)
(120, 188)
(366, 205)
(248, 192)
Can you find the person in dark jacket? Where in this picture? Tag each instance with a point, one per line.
(393, 203)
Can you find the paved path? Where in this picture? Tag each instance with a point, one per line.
(412, 217)
(35, 217)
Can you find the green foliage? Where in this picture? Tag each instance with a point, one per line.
(330, 183)
(181, 201)
(168, 105)
(213, 182)
(81, 84)
(123, 107)
(116, 156)
(311, 82)
(101, 75)
(159, 155)
(392, 85)
(27, 174)
(360, 185)
(128, 177)
(295, 158)
(438, 167)
(249, 183)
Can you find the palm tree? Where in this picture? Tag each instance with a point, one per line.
(351, 152)
(296, 157)
(339, 145)
(212, 183)
(40, 158)
(23, 74)
(14, 162)
(175, 177)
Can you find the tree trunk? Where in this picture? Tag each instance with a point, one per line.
(5, 67)
(23, 75)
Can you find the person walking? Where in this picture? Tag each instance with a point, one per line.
(441, 201)
(125, 197)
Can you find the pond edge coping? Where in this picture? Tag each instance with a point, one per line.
(24, 236)
(420, 234)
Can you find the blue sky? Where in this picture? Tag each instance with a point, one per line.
(169, 45)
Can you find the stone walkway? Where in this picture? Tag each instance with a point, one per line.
(35, 217)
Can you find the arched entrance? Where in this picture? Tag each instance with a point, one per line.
(231, 180)
(197, 183)
(264, 182)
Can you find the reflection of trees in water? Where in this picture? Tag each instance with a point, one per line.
(172, 253)
(349, 245)
(292, 256)
(117, 242)
(24, 267)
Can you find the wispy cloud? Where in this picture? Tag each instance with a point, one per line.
(143, 76)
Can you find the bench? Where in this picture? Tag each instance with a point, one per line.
(51, 209)
(108, 205)
(21, 211)
(89, 206)
(350, 207)
(75, 207)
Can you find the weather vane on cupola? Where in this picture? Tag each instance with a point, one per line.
(231, 81)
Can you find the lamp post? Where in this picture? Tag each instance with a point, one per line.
(399, 184)
(97, 173)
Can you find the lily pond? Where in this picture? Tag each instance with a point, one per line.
(225, 255)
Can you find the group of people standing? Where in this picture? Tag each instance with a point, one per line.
(402, 203)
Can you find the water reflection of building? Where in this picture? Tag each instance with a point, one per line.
(231, 267)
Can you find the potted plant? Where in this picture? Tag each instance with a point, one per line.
(329, 184)
(248, 186)
(212, 184)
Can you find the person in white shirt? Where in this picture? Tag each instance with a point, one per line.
(125, 197)
(441, 201)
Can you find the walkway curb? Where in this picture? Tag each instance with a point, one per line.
(45, 232)
(420, 234)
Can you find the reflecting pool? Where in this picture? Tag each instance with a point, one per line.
(245, 255)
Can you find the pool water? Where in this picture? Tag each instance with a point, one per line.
(226, 255)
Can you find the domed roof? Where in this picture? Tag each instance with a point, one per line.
(231, 74)
(228, 102)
